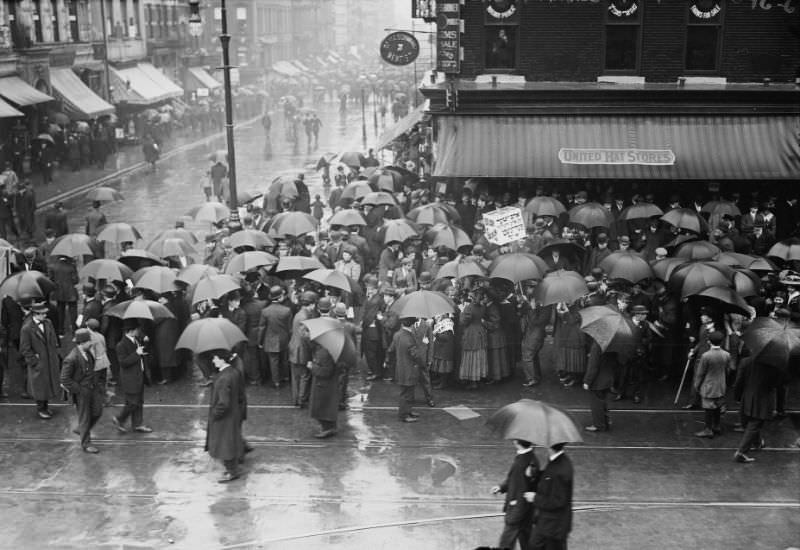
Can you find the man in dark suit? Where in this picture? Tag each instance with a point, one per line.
(64, 274)
(56, 219)
(598, 380)
(92, 308)
(553, 502)
(79, 378)
(300, 349)
(372, 329)
(274, 330)
(407, 363)
(131, 355)
(754, 388)
(521, 479)
(253, 356)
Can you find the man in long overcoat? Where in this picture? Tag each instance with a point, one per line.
(253, 356)
(131, 355)
(65, 276)
(38, 345)
(225, 415)
(274, 329)
(324, 400)
(553, 502)
(407, 364)
(83, 382)
(300, 348)
(521, 479)
(754, 388)
(598, 380)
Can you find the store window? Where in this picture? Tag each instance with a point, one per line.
(703, 35)
(623, 34)
(37, 21)
(501, 26)
(74, 28)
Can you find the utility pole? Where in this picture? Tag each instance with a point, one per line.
(105, 52)
(225, 39)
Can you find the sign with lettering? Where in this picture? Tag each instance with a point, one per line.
(645, 157)
(400, 48)
(504, 225)
(448, 37)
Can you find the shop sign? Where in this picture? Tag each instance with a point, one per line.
(644, 157)
(400, 48)
(202, 92)
(705, 9)
(623, 8)
(504, 225)
(448, 37)
(502, 9)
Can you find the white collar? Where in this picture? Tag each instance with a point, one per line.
(555, 456)
(524, 451)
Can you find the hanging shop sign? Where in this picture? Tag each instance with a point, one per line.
(705, 9)
(400, 48)
(502, 9)
(623, 8)
(504, 225)
(644, 157)
(448, 37)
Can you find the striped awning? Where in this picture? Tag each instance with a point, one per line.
(19, 92)
(198, 77)
(401, 126)
(7, 111)
(680, 147)
(80, 102)
(143, 84)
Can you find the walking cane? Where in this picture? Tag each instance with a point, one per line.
(683, 379)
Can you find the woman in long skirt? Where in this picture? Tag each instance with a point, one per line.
(443, 363)
(570, 345)
(474, 365)
(496, 342)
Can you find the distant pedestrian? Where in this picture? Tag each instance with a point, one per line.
(521, 479)
(25, 207)
(553, 502)
(151, 151)
(226, 411)
(38, 345)
(82, 381)
(56, 219)
(318, 209)
(95, 219)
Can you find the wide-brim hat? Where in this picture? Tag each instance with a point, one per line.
(82, 335)
(39, 307)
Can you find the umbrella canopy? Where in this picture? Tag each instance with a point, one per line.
(613, 331)
(564, 247)
(518, 267)
(136, 259)
(108, 270)
(725, 299)
(378, 198)
(293, 224)
(330, 334)
(772, 342)
(247, 261)
(746, 283)
(282, 187)
(385, 180)
(214, 287)
(720, 208)
(297, 264)
(104, 194)
(407, 177)
(448, 236)
(545, 206)
(192, 273)
(46, 138)
(210, 334)
(157, 278)
(694, 277)
(561, 286)
(73, 245)
(459, 269)
(26, 285)
(398, 230)
(786, 250)
(590, 215)
(356, 190)
(684, 218)
(353, 159)
(177, 233)
(423, 304)
(662, 269)
(681, 239)
(325, 160)
(244, 197)
(209, 212)
(628, 266)
(640, 211)
(165, 248)
(754, 263)
(431, 214)
(140, 309)
(118, 233)
(534, 421)
(250, 237)
(221, 155)
(347, 217)
(334, 279)
(697, 250)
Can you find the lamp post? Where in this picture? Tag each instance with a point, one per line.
(363, 118)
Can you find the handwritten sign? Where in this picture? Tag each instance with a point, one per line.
(504, 225)
(448, 37)
(645, 157)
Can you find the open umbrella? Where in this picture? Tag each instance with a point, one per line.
(118, 233)
(104, 269)
(293, 224)
(681, 239)
(398, 230)
(723, 298)
(136, 259)
(192, 273)
(423, 304)
(754, 263)
(347, 217)
(640, 211)
(565, 248)
(662, 269)
(430, 214)
(721, 208)
(534, 421)
(244, 197)
(545, 206)
(209, 334)
(458, 269)
(772, 342)
(250, 260)
(334, 279)
(746, 283)
(297, 265)
(448, 236)
(407, 177)
(590, 215)
(26, 285)
(356, 190)
(159, 279)
(697, 250)
(220, 155)
(46, 138)
(325, 160)
(787, 250)
(330, 334)
(178, 233)
(209, 212)
(165, 248)
(625, 265)
(684, 218)
(613, 331)
(73, 245)
(694, 277)
(59, 118)
(378, 198)
(353, 159)
(518, 267)
(250, 237)
(214, 287)
(104, 194)
(140, 309)
(561, 286)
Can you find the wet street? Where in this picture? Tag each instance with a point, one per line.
(379, 484)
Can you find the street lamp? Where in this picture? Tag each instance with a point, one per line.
(362, 80)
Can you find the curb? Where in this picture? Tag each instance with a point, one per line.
(81, 189)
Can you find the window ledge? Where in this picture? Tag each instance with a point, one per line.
(703, 80)
(502, 78)
(620, 79)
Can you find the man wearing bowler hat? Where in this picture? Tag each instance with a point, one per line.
(38, 345)
(274, 330)
(132, 357)
(81, 380)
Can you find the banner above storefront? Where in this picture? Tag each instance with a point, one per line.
(643, 157)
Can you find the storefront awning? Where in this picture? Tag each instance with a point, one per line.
(80, 102)
(7, 111)
(401, 126)
(143, 85)
(724, 147)
(197, 77)
(17, 91)
(287, 69)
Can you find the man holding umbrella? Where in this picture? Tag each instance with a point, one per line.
(407, 364)
(521, 480)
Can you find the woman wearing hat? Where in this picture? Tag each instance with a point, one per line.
(474, 365)
(226, 411)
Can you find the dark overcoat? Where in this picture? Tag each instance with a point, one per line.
(299, 344)
(518, 510)
(65, 276)
(40, 352)
(553, 501)
(600, 368)
(407, 359)
(324, 401)
(131, 367)
(225, 414)
(274, 328)
(754, 387)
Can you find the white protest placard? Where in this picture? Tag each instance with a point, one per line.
(504, 225)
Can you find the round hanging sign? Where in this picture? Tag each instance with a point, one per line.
(400, 48)
(705, 9)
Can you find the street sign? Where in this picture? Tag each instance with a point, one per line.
(448, 37)
(400, 48)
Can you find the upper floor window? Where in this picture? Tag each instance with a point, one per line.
(704, 35)
(623, 34)
(74, 28)
(502, 34)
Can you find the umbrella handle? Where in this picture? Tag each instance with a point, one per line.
(683, 380)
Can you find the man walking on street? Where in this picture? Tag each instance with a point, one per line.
(274, 329)
(38, 345)
(226, 411)
(553, 502)
(521, 479)
(81, 380)
(300, 349)
(131, 355)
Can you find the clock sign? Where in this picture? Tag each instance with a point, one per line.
(400, 48)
